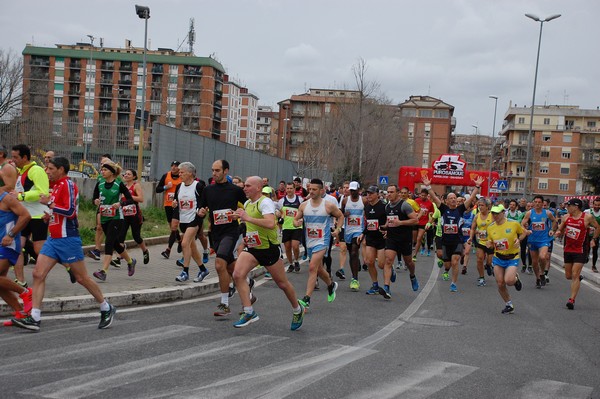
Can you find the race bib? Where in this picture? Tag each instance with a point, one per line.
(222, 216)
(391, 218)
(353, 221)
(291, 212)
(538, 226)
(501, 245)
(372, 224)
(450, 229)
(466, 231)
(572, 232)
(481, 235)
(252, 239)
(52, 220)
(187, 205)
(107, 211)
(170, 197)
(130, 210)
(314, 232)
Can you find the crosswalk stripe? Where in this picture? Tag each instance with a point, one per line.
(44, 358)
(97, 382)
(550, 389)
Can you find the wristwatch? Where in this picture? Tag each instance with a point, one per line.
(11, 234)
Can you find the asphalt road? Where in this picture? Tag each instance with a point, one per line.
(425, 344)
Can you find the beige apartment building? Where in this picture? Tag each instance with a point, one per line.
(564, 140)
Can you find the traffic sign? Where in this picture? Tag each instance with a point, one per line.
(502, 185)
(384, 180)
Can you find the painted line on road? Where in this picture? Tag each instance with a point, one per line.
(558, 266)
(553, 389)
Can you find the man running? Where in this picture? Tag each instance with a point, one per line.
(353, 210)
(219, 201)
(483, 219)
(595, 212)
(316, 214)
(291, 235)
(262, 247)
(574, 226)
(504, 237)
(425, 206)
(167, 184)
(63, 246)
(376, 218)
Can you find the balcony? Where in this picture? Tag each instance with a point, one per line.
(74, 91)
(157, 84)
(107, 66)
(218, 104)
(125, 82)
(192, 86)
(126, 67)
(190, 100)
(75, 77)
(74, 106)
(40, 62)
(38, 74)
(105, 107)
(157, 69)
(75, 64)
(192, 71)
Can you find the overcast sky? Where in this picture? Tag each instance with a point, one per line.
(458, 51)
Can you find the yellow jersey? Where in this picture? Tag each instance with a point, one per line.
(504, 236)
(481, 226)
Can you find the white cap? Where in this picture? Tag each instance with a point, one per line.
(354, 185)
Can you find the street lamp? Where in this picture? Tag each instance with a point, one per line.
(495, 98)
(144, 13)
(529, 134)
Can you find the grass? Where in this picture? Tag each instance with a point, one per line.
(155, 222)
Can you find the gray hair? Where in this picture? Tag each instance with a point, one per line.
(189, 167)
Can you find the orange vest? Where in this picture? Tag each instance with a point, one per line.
(169, 193)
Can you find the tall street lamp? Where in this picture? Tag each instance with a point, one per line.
(495, 98)
(529, 134)
(144, 13)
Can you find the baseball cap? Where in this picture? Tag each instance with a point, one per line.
(297, 179)
(497, 209)
(354, 185)
(267, 190)
(175, 163)
(575, 201)
(373, 189)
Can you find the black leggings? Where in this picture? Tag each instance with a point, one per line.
(136, 229)
(525, 255)
(112, 231)
(595, 253)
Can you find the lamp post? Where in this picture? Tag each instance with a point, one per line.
(87, 127)
(495, 98)
(144, 13)
(529, 134)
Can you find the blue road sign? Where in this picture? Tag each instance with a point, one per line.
(384, 180)
(502, 185)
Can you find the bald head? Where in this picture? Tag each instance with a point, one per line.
(253, 187)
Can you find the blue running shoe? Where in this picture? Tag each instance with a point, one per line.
(453, 288)
(205, 257)
(298, 318)
(268, 276)
(374, 290)
(246, 319)
(415, 283)
(393, 279)
(179, 262)
(385, 292)
(183, 276)
(201, 276)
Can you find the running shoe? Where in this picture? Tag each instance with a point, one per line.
(146, 257)
(571, 304)
(131, 267)
(481, 282)
(518, 284)
(464, 270)
(508, 309)
(179, 262)
(414, 258)
(107, 317)
(331, 292)
(489, 269)
(205, 258)
(72, 277)
(374, 290)
(445, 276)
(25, 257)
(268, 276)
(298, 318)
(94, 254)
(100, 275)
(538, 284)
(305, 303)
(183, 276)
(547, 279)
(232, 291)
(428, 252)
(305, 256)
(21, 283)
(26, 296)
(529, 270)
(523, 269)
(580, 278)
(27, 323)
(297, 267)
(414, 283)
(453, 287)
(543, 280)
(290, 268)
(385, 292)
(201, 276)
(116, 262)
(245, 319)
(354, 285)
(17, 315)
(594, 269)
(393, 278)
(422, 253)
(365, 267)
(404, 267)
(317, 285)
(222, 310)
(440, 263)
(341, 274)
(166, 253)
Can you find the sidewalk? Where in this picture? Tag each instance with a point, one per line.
(151, 283)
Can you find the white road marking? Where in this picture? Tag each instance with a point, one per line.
(549, 389)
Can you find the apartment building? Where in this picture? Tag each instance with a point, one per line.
(239, 116)
(564, 140)
(266, 130)
(93, 95)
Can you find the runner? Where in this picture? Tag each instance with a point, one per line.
(167, 184)
(375, 217)
(98, 233)
(64, 246)
(107, 196)
(400, 219)
(8, 173)
(340, 238)
(262, 247)
(503, 236)
(536, 220)
(466, 223)
(291, 235)
(353, 210)
(218, 201)
(574, 226)
(452, 247)
(281, 190)
(132, 213)
(595, 212)
(425, 206)
(316, 214)
(483, 219)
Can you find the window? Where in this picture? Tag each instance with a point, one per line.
(520, 185)
(542, 185)
(521, 120)
(442, 113)
(545, 152)
(427, 128)
(546, 137)
(546, 121)
(410, 112)
(564, 170)
(567, 138)
(563, 186)
(411, 127)
(591, 124)
(566, 153)
(543, 170)
(425, 113)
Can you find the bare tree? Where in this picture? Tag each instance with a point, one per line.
(11, 83)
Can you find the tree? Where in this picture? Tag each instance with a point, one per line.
(591, 175)
(11, 84)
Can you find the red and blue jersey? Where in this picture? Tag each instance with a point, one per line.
(63, 222)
